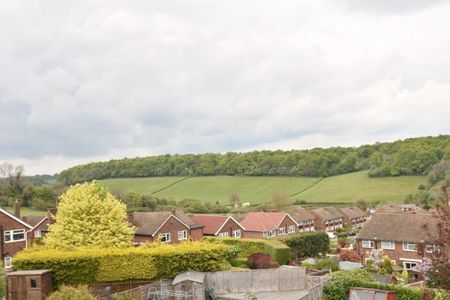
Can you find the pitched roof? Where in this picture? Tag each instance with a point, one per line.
(262, 221)
(352, 212)
(149, 222)
(300, 214)
(399, 227)
(212, 223)
(400, 208)
(385, 279)
(14, 218)
(33, 220)
(328, 213)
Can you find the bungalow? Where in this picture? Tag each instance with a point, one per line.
(15, 234)
(353, 216)
(403, 237)
(303, 218)
(400, 208)
(327, 218)
(218, 225)
(165, 226)
(268, 224)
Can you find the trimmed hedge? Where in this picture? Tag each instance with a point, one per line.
(279, 251)
(86, 265)
(342, 281)
(308, 244)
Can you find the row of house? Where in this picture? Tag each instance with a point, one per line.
(175, 226)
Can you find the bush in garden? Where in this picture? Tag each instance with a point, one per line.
(260, 260)
(349, 255)
(327, 263)
(308, 244)
(72, 293)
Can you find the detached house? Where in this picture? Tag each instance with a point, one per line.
(403, 237)
(304, 219)
(268, 224)
(353, 216)
(165, 226)
(216, 225)
(327, 218)
(15, 234)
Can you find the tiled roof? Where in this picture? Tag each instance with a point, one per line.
(328, 213)
(148, 222)
(352, 212)
(300, 214)
(212, 223)
(33, 220)
(262, 221)
(400, 208)
(399, 227)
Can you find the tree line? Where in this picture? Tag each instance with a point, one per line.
(414, 156)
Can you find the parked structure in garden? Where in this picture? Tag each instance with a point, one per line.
(169, 227)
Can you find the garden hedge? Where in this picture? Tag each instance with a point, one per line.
(308, 244)
(87, 265)
(342, 281)
(279, 251)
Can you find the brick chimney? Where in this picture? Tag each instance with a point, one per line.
(17, 209)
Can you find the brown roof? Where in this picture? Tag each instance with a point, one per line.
(147, 223)
(33, 220)
(399, 227)
(300, 214)
(400, 208)
(352, 212)
(212, 223)
(328, 213)
(262, 221)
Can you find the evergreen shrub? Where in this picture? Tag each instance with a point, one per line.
(87, 265)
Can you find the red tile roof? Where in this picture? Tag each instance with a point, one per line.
(212, 223)
(262, 221)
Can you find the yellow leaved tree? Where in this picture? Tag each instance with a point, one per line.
(88, 215)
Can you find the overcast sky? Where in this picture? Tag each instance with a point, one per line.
(84, 81)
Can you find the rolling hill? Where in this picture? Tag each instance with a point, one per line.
(258, 189)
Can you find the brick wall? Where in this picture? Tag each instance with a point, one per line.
(231, 226)
(11, 248)
(172, 226)
(197, 234)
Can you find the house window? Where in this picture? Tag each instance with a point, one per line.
(17, 235)
(410, 265)
(33, 283)
(38, 234)
(291, 229)
(8, 262)
(223, 234)
(368, 244)
(430, 248)
(164, 237)
(182, 235)
(409, 247)
(237, 233)
(387, 245)
(281, 231)
(270, 233)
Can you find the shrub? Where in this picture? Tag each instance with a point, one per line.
(349, 255)
(261, 261)
(86, 265)
(310, 244)
(327, 263)
(342, 281)
(72, 293)
(245, 247)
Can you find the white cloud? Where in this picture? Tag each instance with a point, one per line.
(94, 80)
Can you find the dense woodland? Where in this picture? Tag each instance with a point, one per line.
(414, 156)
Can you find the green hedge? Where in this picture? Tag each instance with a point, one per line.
(279, 251)
(342, 281)
(308, 244)
(83, 266)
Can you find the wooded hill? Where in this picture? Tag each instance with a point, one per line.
(414, 156)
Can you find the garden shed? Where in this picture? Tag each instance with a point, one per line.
(29, 285)
(191, 283)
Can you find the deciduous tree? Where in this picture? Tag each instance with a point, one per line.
(88, 215)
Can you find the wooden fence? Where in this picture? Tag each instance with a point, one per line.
(316, 291)
(267, 280)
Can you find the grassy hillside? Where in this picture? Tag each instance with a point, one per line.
(343, 188)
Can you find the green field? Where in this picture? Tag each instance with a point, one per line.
(25, 211)
(343, 188)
